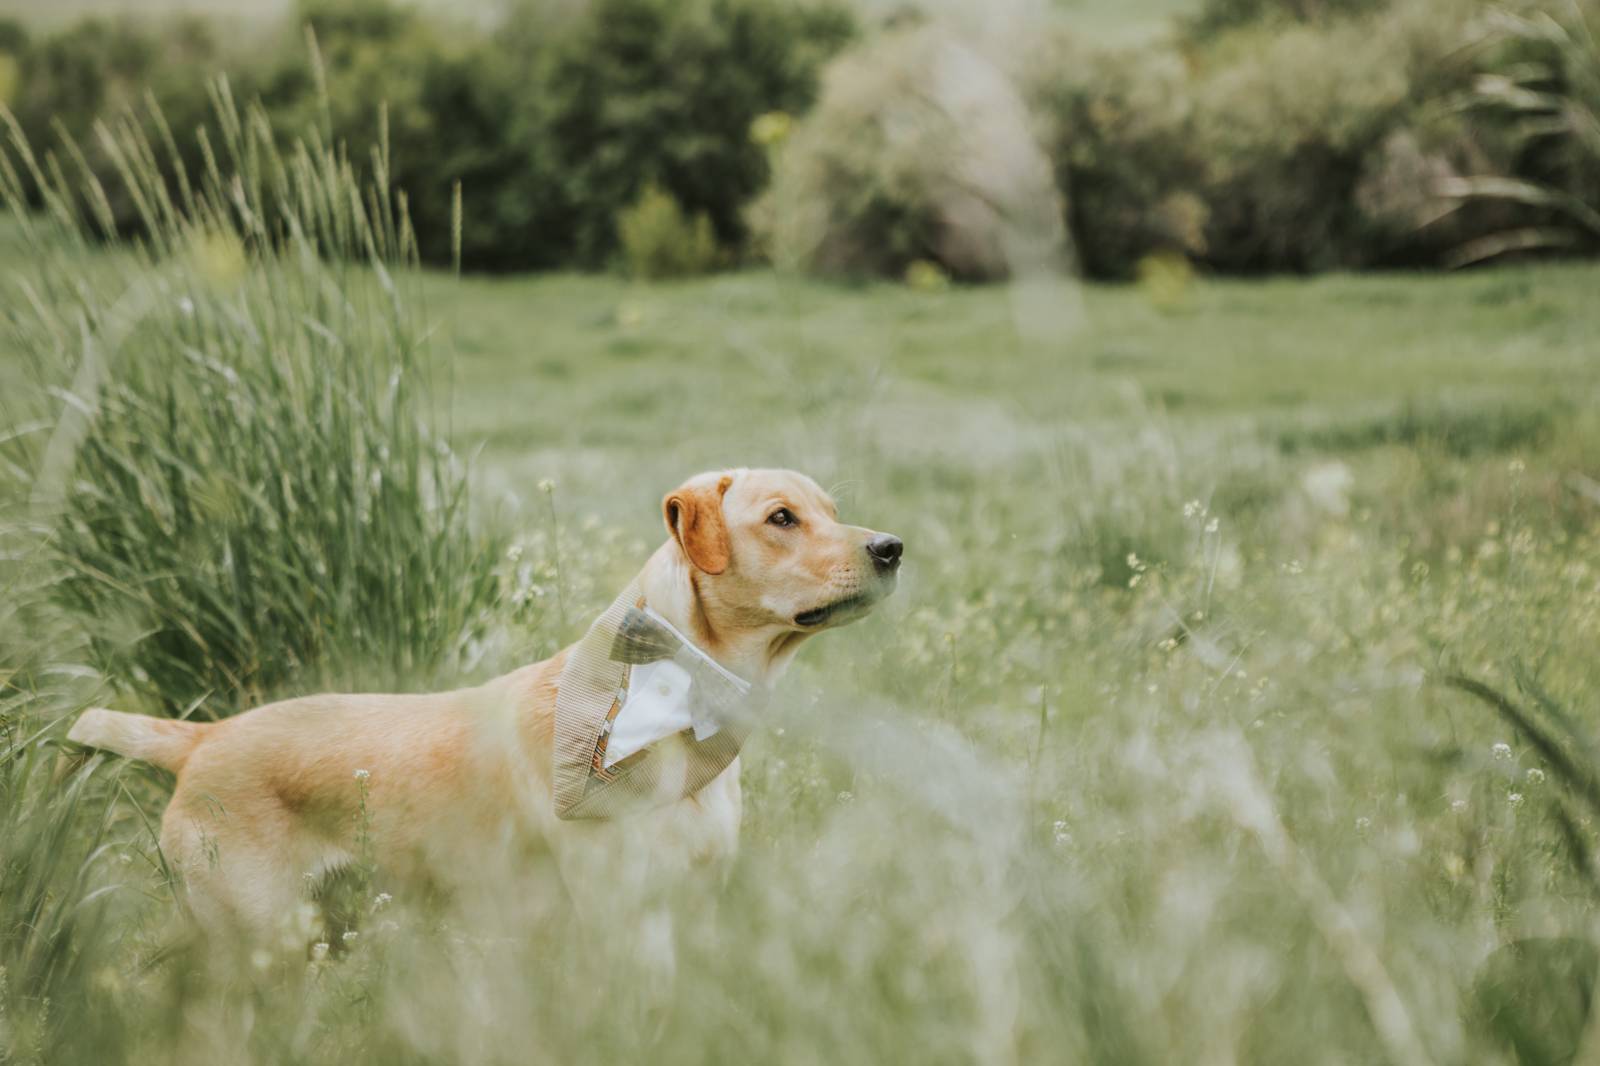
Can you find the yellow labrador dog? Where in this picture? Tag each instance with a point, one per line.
(756, 563)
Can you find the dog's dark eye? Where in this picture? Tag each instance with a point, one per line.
(782, 517)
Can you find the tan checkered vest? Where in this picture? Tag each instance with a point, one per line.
(592, 690)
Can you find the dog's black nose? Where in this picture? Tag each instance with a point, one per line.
(885, 551)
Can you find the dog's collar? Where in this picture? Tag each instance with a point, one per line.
(652, 638)
(597, 687)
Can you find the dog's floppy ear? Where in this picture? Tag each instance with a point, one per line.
(694, 518)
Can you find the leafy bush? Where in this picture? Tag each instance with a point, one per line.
(101, 69)
(663, 92)
(1543, 87)
(660, 241)
(450, 112)
(245, 484)
(1285, 127)
(1217, 15)
(1119, 128)
(1274, 147)
(560, 120)
(919, 149)
(551, 125)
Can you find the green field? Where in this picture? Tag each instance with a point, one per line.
(1161, 753)
(1237, 703)
(560, 372)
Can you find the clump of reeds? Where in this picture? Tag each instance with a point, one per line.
(238, 459)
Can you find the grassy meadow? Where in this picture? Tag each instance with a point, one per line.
(1162, 752)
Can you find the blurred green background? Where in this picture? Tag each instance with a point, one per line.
(1229, 369)
(978, 141)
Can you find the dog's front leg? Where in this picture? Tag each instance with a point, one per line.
(629, 878)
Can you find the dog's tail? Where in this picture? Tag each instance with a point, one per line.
(166, 742)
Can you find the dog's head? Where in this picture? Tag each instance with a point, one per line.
(768, 551)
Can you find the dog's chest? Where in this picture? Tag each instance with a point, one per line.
(704, 827)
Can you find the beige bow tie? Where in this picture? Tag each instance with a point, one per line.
(593, 690)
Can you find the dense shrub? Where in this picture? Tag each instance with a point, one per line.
(660, 241)
(552, 124)
(1271, 148)
(1119, 127)
(1275, 135)
(1215, 15)
(664, 92)
(449, 105)
(1285, 127)
(561, 119)
(919, 149)
(99, 69)
(13, 47)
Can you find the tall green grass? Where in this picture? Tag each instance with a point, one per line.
(239, 456)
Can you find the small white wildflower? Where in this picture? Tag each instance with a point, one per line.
(1152, 688)
(846, 796)
(1458, 805)
(1535, 776)
(186, 305)
(1134, 562)
(362, 775)
(382, 899)
(547, 485)
(1516, 466)
(1363, 824)
(1213, 525)
(1501, 750)
(514, 552)
(1514, 798)
(1060, 834)
(349, 935)
(1294, 566)
(319, 951)
(1192, 508)
(1133, 582)
(1170, 644)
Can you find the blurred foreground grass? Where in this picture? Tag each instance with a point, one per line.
(1142, 764)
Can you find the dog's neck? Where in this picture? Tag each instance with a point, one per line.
(760, 654)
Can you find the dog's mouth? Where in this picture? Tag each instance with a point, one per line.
(838, 610)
